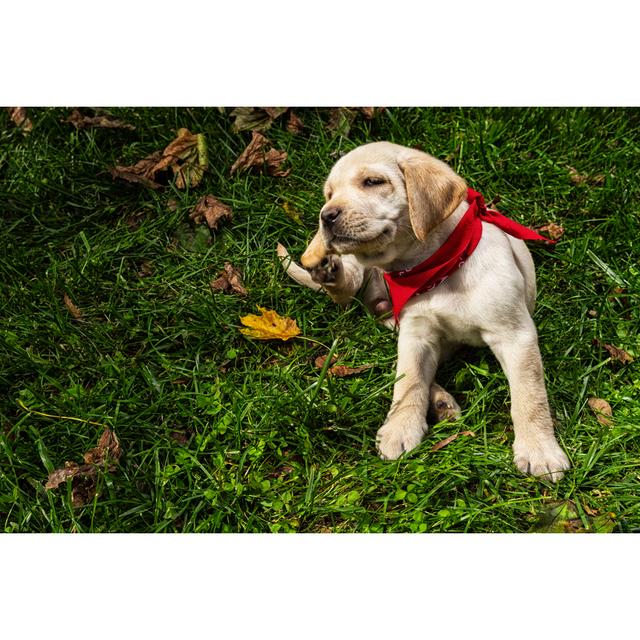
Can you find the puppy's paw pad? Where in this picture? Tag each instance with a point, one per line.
(328, 271)
(546, 461)
(392, 441)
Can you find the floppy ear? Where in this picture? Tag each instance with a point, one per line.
(434, 190)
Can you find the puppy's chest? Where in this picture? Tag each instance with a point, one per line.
(445, 314)
(457, 310)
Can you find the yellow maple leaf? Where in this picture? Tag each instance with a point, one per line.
(269, 326)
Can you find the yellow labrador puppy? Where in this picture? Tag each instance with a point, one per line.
(392, 213)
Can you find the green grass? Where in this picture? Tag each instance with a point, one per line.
(266, 443)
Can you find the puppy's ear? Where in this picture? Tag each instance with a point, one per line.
(434, 190)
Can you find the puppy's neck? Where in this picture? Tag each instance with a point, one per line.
(414, 251)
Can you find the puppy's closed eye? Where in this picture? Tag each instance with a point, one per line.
(373, 181)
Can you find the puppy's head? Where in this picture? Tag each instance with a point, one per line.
(378, 197)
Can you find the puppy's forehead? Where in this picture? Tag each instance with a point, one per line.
(376, 157)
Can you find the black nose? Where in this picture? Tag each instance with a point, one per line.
(329, 216)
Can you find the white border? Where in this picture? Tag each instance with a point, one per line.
(284, 52)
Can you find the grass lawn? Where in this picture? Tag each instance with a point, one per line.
(221, 433)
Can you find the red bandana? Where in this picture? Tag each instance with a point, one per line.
(456, 249)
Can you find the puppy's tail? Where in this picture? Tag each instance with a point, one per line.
(294, 270)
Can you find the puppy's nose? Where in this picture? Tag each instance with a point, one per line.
(329, 216)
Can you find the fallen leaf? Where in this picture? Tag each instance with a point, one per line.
(182, 437)
(230, 280)
(83, 489)
(602, 410)
(19, 117)
(553, 230)
(604, 523)
(269, 326)
(340, 121)
(563, 517)
(108, 449)
(578, 178)
(339, 370)
(559, 517)
(589, 511)
(255, 118)
(454, 154)
(212, 210)
(370, 112)
(140, 172)
(450, 439)
(81, 121)
(615, 352)
(186, 156)
(196, 239)
(294, 124)
(73, 309)
(255, 157)
(145, 269)
(70, 469)
(291, 212)
(83, 477)
(320, 360)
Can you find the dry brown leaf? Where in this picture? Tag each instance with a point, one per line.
(589, 511)
(70, 469)
(320, 360)
(108, 449)
(553, 230)
(450, 439)
(145, 269)
(340, 120)
(370, 112)
(616, 353)
(212, 210)
(255, 157)
(602, 410)
(230, 281)
(578, 178)
(186, 156)
(269, 326)
(81, 121)
(341, 371)
(19, 117)
(255, 118)
(294, 124)
(73, 309)
(140, 172)
(83, 477)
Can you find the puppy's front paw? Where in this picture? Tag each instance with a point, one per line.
(397, 436)
(328, 271)
(545, 459)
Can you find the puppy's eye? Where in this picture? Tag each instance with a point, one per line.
(372, 182)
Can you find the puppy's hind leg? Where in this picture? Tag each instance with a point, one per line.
(442, 405)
